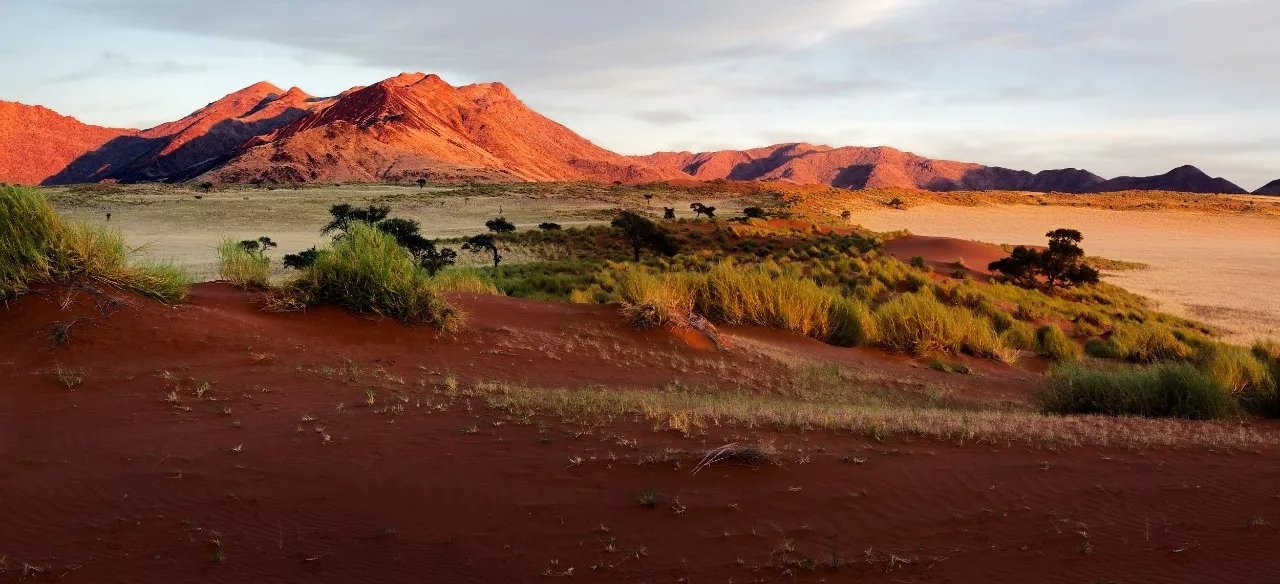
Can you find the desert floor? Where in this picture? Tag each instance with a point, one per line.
(216, 442)
(174, 225)
(1222, 269)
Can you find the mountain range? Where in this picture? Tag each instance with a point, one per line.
(418, 126)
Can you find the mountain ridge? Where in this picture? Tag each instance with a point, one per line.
(416, 125)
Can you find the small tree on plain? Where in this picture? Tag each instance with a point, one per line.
(669, 213)
(754, 213)
(700, 209)
(500, 225)
(643, 234)
(422, 183)
(482, 243)
(1061, 264)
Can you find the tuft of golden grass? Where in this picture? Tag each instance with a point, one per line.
(691, 411)
(37, 245)
(243, 267)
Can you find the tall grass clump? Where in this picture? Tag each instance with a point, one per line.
(1250, 375)
(755, 295)
(1051, 342)
(851, 323)
(1141, 343)
(650, 300)
(242, 266)
(1163, 390)
(38, 246)
(919, 324)
(464, 280)
(367, 271)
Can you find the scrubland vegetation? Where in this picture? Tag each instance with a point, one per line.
(1111, 353)
(37, 246)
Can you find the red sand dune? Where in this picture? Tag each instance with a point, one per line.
(110, 482)
(943, 253)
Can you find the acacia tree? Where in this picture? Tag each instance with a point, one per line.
(500, 225)
(700, 209)
(258, 246)
(343, 215)
(422, 183)
(643, 234)
(482, 243)
(1062, 263)
(668, 213)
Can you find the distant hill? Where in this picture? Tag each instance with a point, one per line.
(37, 143)
(416, 126)
(856, 167)
(404, 128)
(1186, 179)
(1271, 188)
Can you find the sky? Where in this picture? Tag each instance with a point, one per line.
(1119, 87)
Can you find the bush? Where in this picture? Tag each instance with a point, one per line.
(920, 325)
(851, 323)
(1051, 342)
(242, 266)
(1166, 390)
(1238, 369)
(464, 280)
(1019, 335)
(38, 246)
(1146, 343)
(651, 301)
(367, 271)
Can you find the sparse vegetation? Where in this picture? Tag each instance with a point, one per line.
(1164, 390)
(368, 271)
(245, 263)
(39, 246)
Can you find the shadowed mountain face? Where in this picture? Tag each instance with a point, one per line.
(417, 126)
(185, 148)
(856, 168)
(1187, 179)
(1271, 188)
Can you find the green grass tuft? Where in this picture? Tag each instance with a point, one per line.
(243, 267)
(38, 246)
(1163, 390)
(367, 271)
(1051, 342)
(918, 324)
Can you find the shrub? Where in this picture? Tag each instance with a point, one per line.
(920, 325)
(1236, 368)
(651, 301)
(464, 280)
(38, 246)
(1019, 335)
(1141, 344)
(367, 271)
(1165, 390)
(1051, 342)
(242, 266)
(549, 226)
(851, 323)
(500, 225)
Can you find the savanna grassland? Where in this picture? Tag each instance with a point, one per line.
(764, 392)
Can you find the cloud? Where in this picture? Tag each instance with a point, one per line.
(664, 117)
(110, 64)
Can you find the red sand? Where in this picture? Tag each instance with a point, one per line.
(110, 483)
(943, 253)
